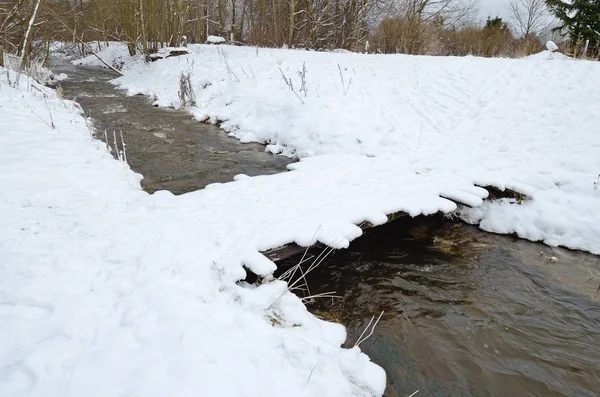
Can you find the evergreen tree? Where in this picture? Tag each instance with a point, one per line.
(580, 19)
(495, 23)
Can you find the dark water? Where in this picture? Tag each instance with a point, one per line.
(467, 313)
(171, 151)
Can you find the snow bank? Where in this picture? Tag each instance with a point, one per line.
(215, 40)
(549, 56)
(551, 46)
(168, 52)
(108, 291)
(498, 122)
(115, 54)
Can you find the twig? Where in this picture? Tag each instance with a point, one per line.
(360, 338)
(344, 86)
(37, 115)
(290, 85)
(116, 146)
(318, 260)
(124, 146)
(288, 274)
(302, 260)
(302, 75)
(108, 149)
(311, 372)
(327, 251)
(341, 74)
(322, 295)
(89, 124)
(315, 264)
(49, 113)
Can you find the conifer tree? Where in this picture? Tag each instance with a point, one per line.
(580, 19)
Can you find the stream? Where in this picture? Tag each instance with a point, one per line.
(466, 313)
(171, 150)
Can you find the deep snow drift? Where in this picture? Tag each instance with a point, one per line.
(528, 123)
(108, 291)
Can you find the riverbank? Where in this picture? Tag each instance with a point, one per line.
(525, 124)
(106, 290)
(109, 290)
(172, 151)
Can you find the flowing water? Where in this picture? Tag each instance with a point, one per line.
(466, 313)
(172, 151)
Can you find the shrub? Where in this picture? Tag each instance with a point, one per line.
(187, 97)
(406, 36)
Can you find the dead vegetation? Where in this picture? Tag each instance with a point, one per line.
(397, 35)
(424, 27)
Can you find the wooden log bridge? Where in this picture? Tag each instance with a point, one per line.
(288, 250)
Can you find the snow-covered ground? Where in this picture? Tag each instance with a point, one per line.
(549, 56)
(528, 123)
(108, 291)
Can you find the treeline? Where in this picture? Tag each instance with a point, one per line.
(494, 39)
(295, 23)
(434, 27)
(149, 24)
(314, 24)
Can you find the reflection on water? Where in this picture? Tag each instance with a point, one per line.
(468, 313)
(169, 149)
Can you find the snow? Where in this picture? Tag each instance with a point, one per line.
(168, 51)
(106, 290)
(524, 124)
(549, 56)
(115, 54)
(35, 69)
(215, 39)
(551, 46)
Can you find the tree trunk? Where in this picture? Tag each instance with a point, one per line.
(27, 39)
(275, 20)
(220, 10)
(143, 26)
(292, 22)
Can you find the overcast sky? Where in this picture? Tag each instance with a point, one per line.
(494, 8)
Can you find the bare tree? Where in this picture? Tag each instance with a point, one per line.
(415, 26)
(443, 12)
(530, 17)
(28, 32)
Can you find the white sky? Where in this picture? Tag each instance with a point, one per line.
(494, 8)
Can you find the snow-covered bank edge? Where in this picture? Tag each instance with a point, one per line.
(107, 290)
(505, 121)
